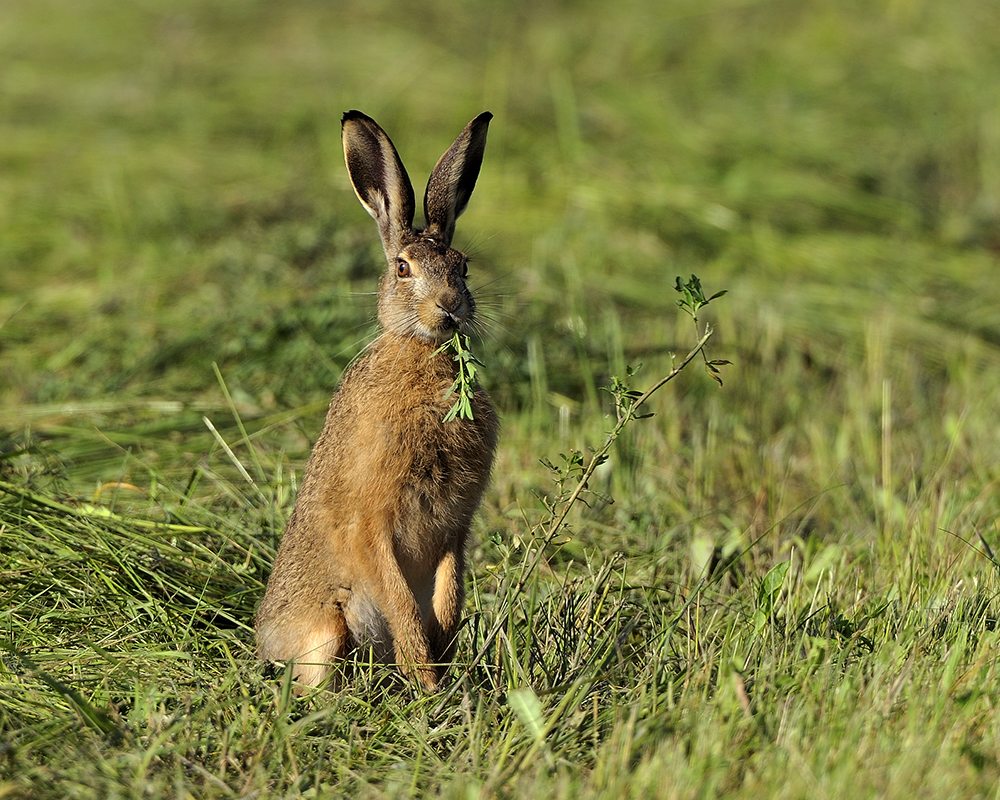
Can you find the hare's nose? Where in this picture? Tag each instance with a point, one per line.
(454, 308)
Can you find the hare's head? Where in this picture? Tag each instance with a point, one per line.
(423, 292)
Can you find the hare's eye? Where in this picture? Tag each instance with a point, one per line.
(465, 269)
(402, 269)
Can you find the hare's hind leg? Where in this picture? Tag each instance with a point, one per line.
(449, 592)
(321, 646)
(313, 642)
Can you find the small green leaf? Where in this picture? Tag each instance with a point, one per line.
(770, 587)
(529, 710)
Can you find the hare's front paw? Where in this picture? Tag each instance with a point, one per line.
(427, 674)
(428, 678)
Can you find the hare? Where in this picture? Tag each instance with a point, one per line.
(374, 551)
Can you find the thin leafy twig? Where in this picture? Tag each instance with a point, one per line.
(627, 405)
(465, 381)
(626, 414)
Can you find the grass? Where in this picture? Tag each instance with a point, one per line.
(794, 592)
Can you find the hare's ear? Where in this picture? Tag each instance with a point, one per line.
(453, 179)
(379, 179)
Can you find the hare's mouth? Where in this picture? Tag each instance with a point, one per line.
(443, 328)
(451, 320)
(433, 331)
(439, 322)
(434, 320)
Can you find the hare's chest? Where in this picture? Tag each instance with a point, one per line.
(454, 455)
(442, 472)
(448, 465)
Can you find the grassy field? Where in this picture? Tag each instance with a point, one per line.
(794, 593)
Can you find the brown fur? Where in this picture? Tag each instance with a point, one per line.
(374, 552)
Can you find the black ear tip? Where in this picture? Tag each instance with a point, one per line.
(353, 115)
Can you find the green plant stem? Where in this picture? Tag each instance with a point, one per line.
(570, 502)
(623, 419)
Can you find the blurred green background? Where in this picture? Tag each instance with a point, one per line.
(173, 196)
(172, 190)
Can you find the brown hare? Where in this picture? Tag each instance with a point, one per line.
(374, 551)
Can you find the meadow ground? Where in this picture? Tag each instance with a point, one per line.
(794, 592)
